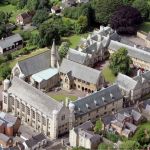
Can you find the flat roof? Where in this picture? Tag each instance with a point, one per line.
(45, 74)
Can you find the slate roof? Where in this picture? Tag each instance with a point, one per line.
(9, 41)
(4, 137)
(94, 138)
(126, 82)
(132, 51)
(131, 126)
(80, 71)
(86, 126)
(97, 99)
(136, 115)
(35, 64)
(34, 97)
(35, 140)
(76, 56)
(45, 74)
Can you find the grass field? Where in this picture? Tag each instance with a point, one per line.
(63, 97)
(145, 27)
(11, 9)
(108, 75)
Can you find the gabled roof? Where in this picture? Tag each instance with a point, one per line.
(4, 137)
(35, 64)
(132, 51)
(97, 99)
(80, 71)
(9, 41)
(34, 97)
(35, 140)
(76, 56)
(126, 82)
(88, 125)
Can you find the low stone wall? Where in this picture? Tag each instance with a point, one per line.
(141, 35)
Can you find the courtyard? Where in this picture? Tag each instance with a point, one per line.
(61, 94)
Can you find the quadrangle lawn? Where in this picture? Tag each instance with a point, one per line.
(108, 75)
(61, 97)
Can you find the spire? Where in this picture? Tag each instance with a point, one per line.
(53, 55)
(55, 59)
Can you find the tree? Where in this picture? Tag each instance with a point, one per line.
(120, 62)
(143, 7)
(98, 126)
(81, 25)
(103, 146)
(63, 49)
(103, 9)
(40, 16)
(129, 145)
(125, 20)
(5, 71)
(142, 136)
(32, 4)
(21, 4)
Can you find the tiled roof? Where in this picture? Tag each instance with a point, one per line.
(34, 97)
(80, 71)
(97, 99)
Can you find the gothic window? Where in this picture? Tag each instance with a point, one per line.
(43, 121)
(5, 99)
(63, 117)
(28, 111)
(33, 114)
(38, 117)
(66, 80)
(11, 100)
(17, 104)
(23, 107)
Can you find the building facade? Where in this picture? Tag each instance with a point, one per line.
(76, 76)
(11, 43)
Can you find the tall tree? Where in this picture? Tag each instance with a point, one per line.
(143, 7)
(129, 145)
(103, 9)
(120, 61)
(98, 126)
(40, 16)
(125, 20)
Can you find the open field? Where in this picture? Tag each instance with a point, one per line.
(145, 27)
(11, 9)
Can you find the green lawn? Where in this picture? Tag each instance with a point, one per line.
(75, 39)
(145, 27)
(11, 9)
(108, 75)
(63, 97)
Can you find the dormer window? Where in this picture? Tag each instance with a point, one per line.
(103, 99)
(95, 102)
(87, 106)
(111, 95)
